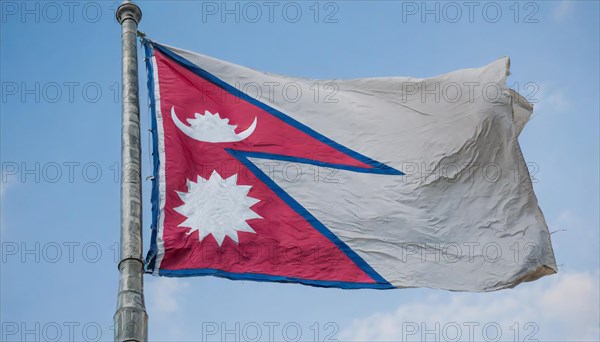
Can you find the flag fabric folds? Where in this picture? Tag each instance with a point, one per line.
(363, 183)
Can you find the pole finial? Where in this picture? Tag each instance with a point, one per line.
(128, 10)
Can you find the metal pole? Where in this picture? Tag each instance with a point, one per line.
(131, 320)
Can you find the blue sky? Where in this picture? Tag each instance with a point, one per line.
(60, 137)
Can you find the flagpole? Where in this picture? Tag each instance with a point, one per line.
(130, 319)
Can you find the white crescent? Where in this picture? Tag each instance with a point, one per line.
(211, 128)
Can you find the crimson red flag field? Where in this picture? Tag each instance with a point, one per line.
(363, 183)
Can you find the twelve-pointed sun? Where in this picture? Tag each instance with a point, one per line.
(217, 206)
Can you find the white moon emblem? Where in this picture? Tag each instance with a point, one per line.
(211, 128)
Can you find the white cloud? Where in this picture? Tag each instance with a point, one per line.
(164, 294)
(163, 298)
(548, 99)
(573, 301)
(563, 9)
(572, 237)
(5, 183)
(557, 100)
(3, 187)
(562, 307)
(568, 221)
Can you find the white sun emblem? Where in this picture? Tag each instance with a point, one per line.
(217, 206)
